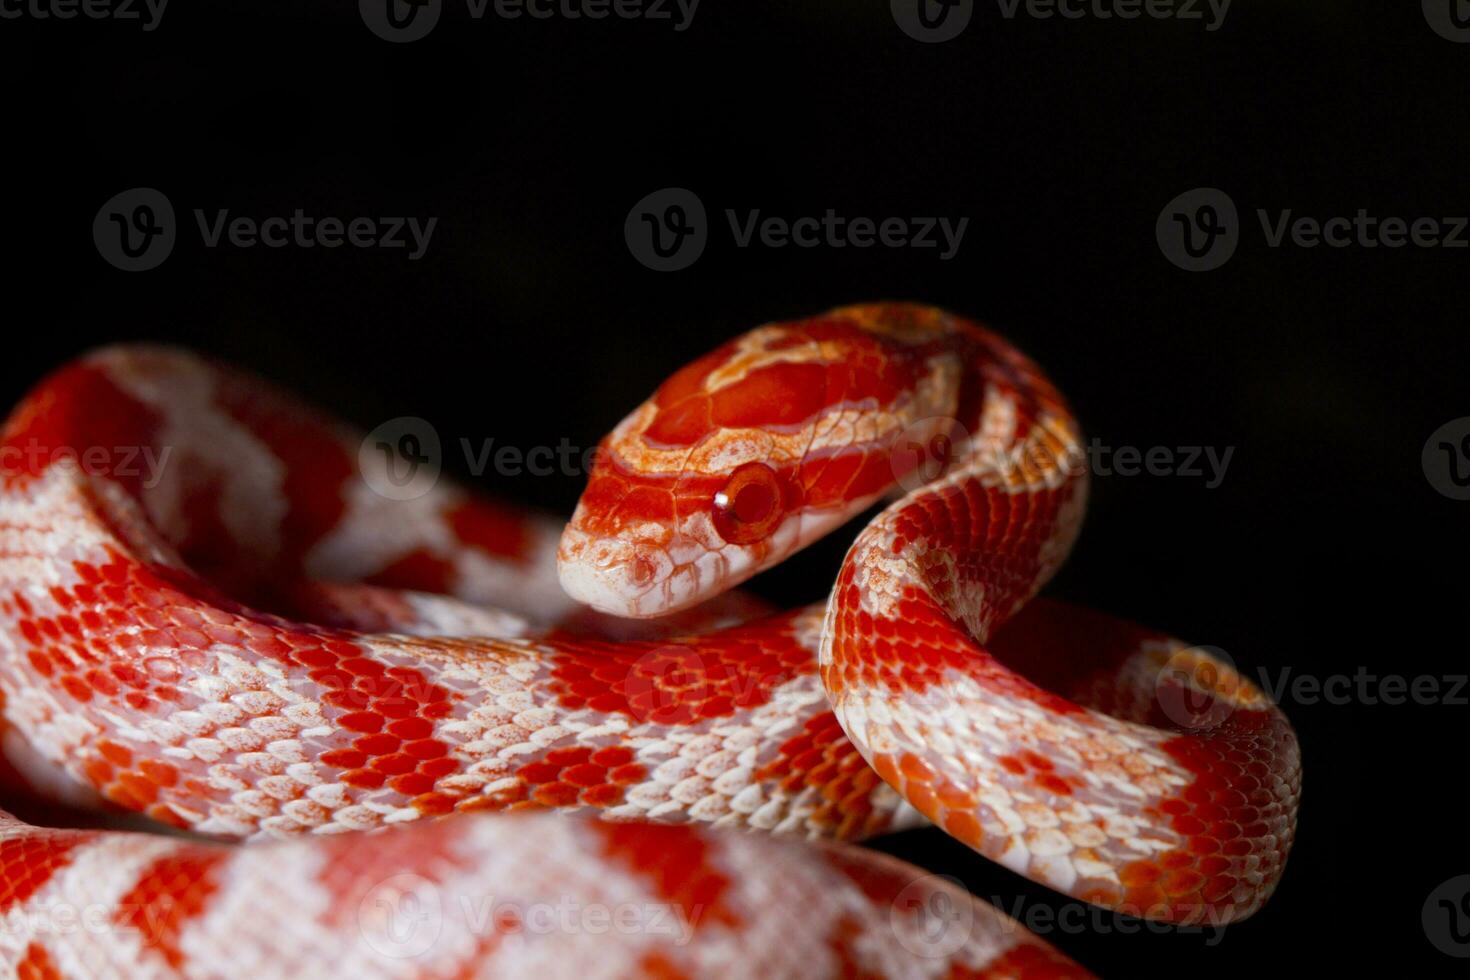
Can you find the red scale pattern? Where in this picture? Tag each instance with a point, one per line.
(1239, 803)
(37, 964)
(913, 649)
(170, 892)
(97, 641)
(351, 868)
(680, 867)
(28, 863)
(822, 757)
(92, 651)
(680, 681)
(890, 884)
(575, 776)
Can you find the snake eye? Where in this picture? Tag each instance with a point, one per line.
(748, 507)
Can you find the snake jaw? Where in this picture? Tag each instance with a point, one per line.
(610, 574)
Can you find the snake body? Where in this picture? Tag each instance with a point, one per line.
(251, 642)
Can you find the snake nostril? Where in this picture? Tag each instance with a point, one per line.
(642, 570)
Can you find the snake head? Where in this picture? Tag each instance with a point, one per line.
(745, 456)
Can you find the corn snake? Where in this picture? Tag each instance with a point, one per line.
(255, 644)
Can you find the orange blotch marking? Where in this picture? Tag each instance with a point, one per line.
(344, 758)
(1054, 784)
(1182, 882)
(170, 892)
(36, 964)
(963, 826)
(584, 775)
(117, 754)
(361, 721)
(556, 794)
(603, 795)
(379, 744)
(433, 804)
(159, 772)
(497, 530)
(676, 862)
(28, 863)
(412, 784)
(1138, 873)
(411, 728)
(394, 765)
(363, 778)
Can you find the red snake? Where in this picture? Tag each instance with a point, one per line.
(247, 641)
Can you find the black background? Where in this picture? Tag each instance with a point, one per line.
(1324, 550)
